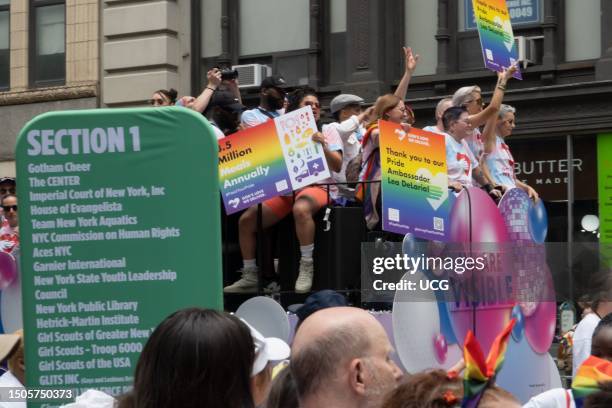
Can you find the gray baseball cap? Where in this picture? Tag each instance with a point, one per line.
(343, 100)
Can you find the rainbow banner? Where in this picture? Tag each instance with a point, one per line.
(269, 160)
(496, 37)
(414, 182)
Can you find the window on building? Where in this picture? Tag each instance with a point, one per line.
(583, 30)
(211, 28)
(47, 42)
(5, 69)
(263, 26)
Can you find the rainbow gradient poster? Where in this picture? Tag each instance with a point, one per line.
(496, 37)
(272, 159)
(414, 182)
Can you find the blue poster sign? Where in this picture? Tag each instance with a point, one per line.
(521, 12)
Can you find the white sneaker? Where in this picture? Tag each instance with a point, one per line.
(246, 284)
(304, 280)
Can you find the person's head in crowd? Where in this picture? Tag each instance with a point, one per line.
(441, 107)
(601, 292)
(224, 110)
(344, 106)
(505, 120)
(341, 357)
(283, 393)
(470, 98)
(272, 93)
(601, 344)
(9, 209)
(266, 350)
(391, 108)
(436, 389)
(318, 301)
(195, 357)
(164, 97)
(11, 351)
(456, 124)
(7, 186)
(305, 96)
(600, 399)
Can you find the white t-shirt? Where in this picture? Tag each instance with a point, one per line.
(459, 161)
(10, 381)
(434, 129)
(555, 398)
(351, 133)
(501, 164)
(254, 117)
(475, 143)
(217, 131)
(581, 350)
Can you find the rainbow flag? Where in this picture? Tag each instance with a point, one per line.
(593, 371)
(479, 373)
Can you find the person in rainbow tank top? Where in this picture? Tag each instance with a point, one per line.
(497, 161)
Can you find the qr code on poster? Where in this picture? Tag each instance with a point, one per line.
(438, 223)
(394, 215)
(281, 185)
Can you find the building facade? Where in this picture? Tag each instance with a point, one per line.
(116, 53)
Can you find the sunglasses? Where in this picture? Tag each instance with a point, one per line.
(7, 191)
(156, 101)
(8, 208)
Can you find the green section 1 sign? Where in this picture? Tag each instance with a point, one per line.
(119, 225)
(604, 186)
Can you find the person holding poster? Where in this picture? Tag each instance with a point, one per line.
(498, 163)
(470, 98)
(388, 107)
(461, 164)
(303, 203)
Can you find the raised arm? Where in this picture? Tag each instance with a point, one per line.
(202, 101)
(480, 118)
(410, 63)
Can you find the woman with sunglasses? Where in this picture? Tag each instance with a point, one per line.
(470, 97)
(388, 107)
(9, 233)
(163, 97)
(498, 162)
(304, 203)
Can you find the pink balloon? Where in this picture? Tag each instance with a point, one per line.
(475, 218)
(8, 270)
(540, 325)
(440, 347)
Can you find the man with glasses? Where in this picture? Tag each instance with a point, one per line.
(9, 233)
(7, 186)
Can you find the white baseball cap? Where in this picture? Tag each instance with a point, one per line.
(266, 349)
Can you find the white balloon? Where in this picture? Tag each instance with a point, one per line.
(590, 222)
(267, 316)
(415, 325)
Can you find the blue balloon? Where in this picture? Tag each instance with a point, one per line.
(517, 330)
(538, 221)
